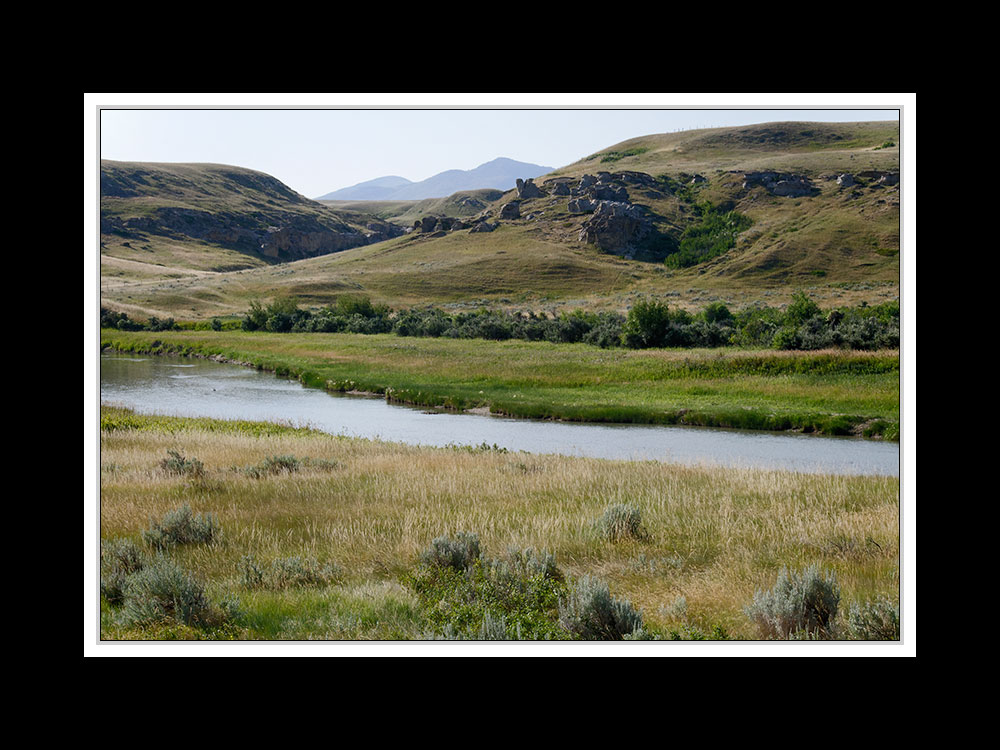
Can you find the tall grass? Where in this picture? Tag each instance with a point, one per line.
(712, 536)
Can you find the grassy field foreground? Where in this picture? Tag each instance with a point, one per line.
(319, 537)
(828, 392)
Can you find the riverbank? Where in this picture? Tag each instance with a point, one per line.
(323, 537)
(827, 392)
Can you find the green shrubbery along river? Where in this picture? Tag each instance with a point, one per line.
(648, 324)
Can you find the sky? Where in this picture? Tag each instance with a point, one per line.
(316, 144)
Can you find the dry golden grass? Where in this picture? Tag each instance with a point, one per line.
(714, 535)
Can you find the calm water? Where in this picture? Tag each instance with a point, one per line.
(195, 387)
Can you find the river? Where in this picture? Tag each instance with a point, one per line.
(203, 388)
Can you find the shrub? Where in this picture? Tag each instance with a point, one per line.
(255, 318)
(713, 235)
(282, 315)
(621, 522)
(175, 463)
(458, 552)
(786, 338)
(799, 604)
(181, 526)
(756, 326)
(352, 304)
(252, 575)
(120, 558)
(646, 324)
(649, 324)
(801, 309)
(162, 591)
(873, 621)
(607, 332)
(287, 572)
(688, 632)
(274, 465)
(617, 155)
(527, 563)
(717, 312)
(496, 629)
(590, 612)
(468, 596)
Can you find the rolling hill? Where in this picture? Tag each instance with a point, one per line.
(168, 221)
(769, 209)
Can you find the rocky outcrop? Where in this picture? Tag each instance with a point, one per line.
(581, 205)
(868, 178)
(277, 236)
(429, 224)
(469, 202)
(615, 225)
(425, 224)
(294, 244)
(778, 183)
(609, 191)
(618, 228)
(510, 210)
(528, 189)
(793, 187)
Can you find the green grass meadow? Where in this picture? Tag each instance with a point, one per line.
(828, 392)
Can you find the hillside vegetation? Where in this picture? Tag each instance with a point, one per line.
(760, 212)
(172, 220)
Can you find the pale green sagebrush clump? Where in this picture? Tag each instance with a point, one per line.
(181, 526)
(800, 605)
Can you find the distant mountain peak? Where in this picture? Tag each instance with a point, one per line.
(499, 174)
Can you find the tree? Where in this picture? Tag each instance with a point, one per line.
(800, 310)
(646, 324)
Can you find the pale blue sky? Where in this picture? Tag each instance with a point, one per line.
(316, 151)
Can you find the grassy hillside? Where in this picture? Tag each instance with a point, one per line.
(464, 203)
(839, 243)
(810, 147)
(165, 221)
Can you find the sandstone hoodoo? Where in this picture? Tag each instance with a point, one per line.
(618, 228)
(528, 189)
(510, 210)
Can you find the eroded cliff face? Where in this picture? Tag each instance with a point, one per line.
(230, 207)
(293, 243)
(274, 236)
